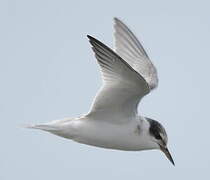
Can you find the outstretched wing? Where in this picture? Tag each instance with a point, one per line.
(122, 89)
(130, 49)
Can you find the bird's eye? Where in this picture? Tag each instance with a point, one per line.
(158, 136)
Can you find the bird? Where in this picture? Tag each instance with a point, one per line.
(113, 121)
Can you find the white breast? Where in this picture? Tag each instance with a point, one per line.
(115, 136)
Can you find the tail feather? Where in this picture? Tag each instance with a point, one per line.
(44, 127)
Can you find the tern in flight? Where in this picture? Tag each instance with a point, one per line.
(113, 121)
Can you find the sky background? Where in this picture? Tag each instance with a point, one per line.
(48, 72)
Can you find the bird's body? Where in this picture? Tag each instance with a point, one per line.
(113, 121)
(97, 132)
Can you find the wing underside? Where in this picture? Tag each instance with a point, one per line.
(122, 88)
(128, 47)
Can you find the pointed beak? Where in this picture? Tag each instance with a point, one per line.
(167, 153)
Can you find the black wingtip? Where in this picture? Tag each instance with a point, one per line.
(116, 19)
(94, 40)
(90, 37)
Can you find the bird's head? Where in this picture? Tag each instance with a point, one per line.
(158, 135)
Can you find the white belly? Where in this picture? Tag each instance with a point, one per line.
(108, 135)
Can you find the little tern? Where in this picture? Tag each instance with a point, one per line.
(113, 121)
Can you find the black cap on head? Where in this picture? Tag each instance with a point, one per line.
(158, 132)
(156, 129)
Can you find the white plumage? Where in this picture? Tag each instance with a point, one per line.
(113, 122)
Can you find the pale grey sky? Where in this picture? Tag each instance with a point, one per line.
(47, 72)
